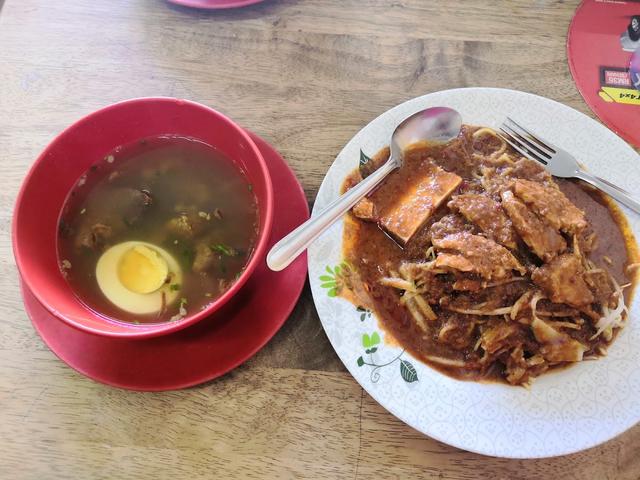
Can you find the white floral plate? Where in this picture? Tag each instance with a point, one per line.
(564, 411)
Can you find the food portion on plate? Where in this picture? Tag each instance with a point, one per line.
(481, 264)
(157, 229)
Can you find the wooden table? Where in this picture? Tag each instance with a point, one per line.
(306, 75)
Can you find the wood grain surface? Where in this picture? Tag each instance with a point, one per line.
(306, 75)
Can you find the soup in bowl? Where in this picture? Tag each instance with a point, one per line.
(143, 218)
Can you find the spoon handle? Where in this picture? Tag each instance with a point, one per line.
(287, 250)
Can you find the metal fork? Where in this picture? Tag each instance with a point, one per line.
(559, 162)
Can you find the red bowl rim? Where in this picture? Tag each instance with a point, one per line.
(154, 330)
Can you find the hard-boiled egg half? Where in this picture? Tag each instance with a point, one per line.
(135, 276)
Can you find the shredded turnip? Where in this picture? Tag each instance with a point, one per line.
(595, 270)
(473, 311)
(565, 313)
(448, 327)
(576, 247)
(612, 318)
(534, 303)
(521, 301)
(399, 283)
(425, 308)
(446, 361)
(570, 325)
(415, 313)
(431, 253)
(504, 282)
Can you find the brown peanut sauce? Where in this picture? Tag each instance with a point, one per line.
(372, 253)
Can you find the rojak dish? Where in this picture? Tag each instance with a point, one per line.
(486, 267)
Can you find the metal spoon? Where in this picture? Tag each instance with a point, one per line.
(437, 124)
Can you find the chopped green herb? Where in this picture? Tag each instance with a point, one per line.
(183, 302)
(224, 249)
(174, 287)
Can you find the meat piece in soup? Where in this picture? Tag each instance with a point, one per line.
(157, 230)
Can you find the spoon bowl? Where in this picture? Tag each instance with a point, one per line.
(436, 124)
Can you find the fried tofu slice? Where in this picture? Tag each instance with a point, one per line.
(451, 261)
(407, 198)
(563, 281)
(544, 240)
(365, 209)
(476, 254)
(498, 178)
(488, 215)
(421, 198)
(556, 346)
(551, 204)
(449, 224)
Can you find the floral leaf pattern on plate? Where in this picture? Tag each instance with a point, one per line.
(364, 159)
(335, 279)
(408, 371)
(370, 342)
(364, 313)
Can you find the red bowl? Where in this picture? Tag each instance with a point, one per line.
(70, 154)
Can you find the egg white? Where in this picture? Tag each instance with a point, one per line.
(125, 299)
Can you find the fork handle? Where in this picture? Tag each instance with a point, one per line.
(610, 189)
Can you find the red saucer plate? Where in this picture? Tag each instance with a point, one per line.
(211, 347)
(215, 4)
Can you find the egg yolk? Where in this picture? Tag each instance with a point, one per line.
(142, 270)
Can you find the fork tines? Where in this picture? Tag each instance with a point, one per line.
(525, 142)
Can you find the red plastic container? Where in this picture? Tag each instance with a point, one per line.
(69, 155)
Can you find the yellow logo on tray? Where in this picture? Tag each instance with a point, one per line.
(628, 96)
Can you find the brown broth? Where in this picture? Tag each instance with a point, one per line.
(184, 179)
